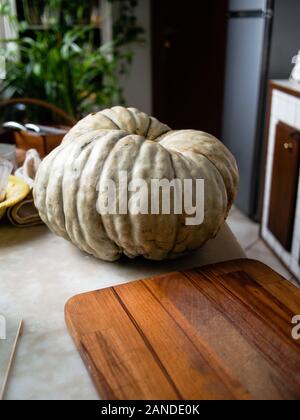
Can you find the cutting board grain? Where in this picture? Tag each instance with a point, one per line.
(218, 332)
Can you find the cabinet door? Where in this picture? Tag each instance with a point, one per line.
(285, 178)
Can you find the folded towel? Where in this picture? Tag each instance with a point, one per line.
(24, 214)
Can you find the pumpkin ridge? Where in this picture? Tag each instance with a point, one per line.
(177, 216)
(58, 193)
(113, 122)
(72, 223)
(85, 125)
(230, 196)
(132, 236)
(129, 122)
(178, 242)
(112, 114)
(148, 128)
(192, 233)
(88, 153)
(95, 174)
(226, 189)
(103, 168)
(110, 119)
(42, 186)
(138, 116)
(129, 216)
(141, 235)
(61, 229)
(79, 158)
(152, 127)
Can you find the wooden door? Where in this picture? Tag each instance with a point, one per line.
(285, 179)
(188, 44)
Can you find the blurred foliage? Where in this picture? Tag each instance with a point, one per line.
(62, 64)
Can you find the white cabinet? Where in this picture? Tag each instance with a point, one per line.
(284, 108)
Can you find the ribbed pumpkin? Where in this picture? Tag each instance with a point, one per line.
(68, 184)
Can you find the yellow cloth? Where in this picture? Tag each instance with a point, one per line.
(21, 211)
(16, 191)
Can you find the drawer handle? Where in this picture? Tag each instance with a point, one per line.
(288, 146)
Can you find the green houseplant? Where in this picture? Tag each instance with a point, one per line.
(63, 64)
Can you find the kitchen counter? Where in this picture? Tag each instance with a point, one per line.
(39, 272)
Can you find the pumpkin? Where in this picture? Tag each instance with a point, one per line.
(69, 182)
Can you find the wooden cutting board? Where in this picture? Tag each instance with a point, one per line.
(218, 332)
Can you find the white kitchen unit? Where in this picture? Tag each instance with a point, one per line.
(281, 210)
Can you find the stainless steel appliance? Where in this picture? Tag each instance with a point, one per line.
(263, 36)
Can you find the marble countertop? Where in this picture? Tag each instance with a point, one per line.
(39, 272)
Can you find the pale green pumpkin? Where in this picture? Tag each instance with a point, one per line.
(68, 184)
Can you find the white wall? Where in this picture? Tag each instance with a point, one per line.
(137, 84)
